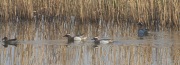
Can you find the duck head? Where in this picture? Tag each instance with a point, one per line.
(140, 25)
(67, 35)
(4, 39)
(95, 38)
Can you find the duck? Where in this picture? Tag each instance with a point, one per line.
(142, 31)
(7, 42)
(75, 38)
(98, 41)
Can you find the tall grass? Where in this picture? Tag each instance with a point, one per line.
(157, 13)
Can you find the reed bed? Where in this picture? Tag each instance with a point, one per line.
(155, 14)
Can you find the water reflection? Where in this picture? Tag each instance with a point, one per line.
(45, 45)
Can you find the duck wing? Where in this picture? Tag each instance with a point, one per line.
(12, 39)
(105, 39)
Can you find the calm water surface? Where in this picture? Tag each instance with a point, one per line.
(44, 45)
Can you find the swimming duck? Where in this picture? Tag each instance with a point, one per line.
(9, 42)
(142, 31)
(75, 38)
(98, 41)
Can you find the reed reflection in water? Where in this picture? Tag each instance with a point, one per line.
(42, 54)
(43, 44)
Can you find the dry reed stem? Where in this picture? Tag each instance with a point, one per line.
(164, 11)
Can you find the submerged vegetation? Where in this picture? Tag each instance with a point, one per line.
(156, 13)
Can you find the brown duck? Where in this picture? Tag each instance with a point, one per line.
(7, 42)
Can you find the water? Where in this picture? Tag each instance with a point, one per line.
(44, 45)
